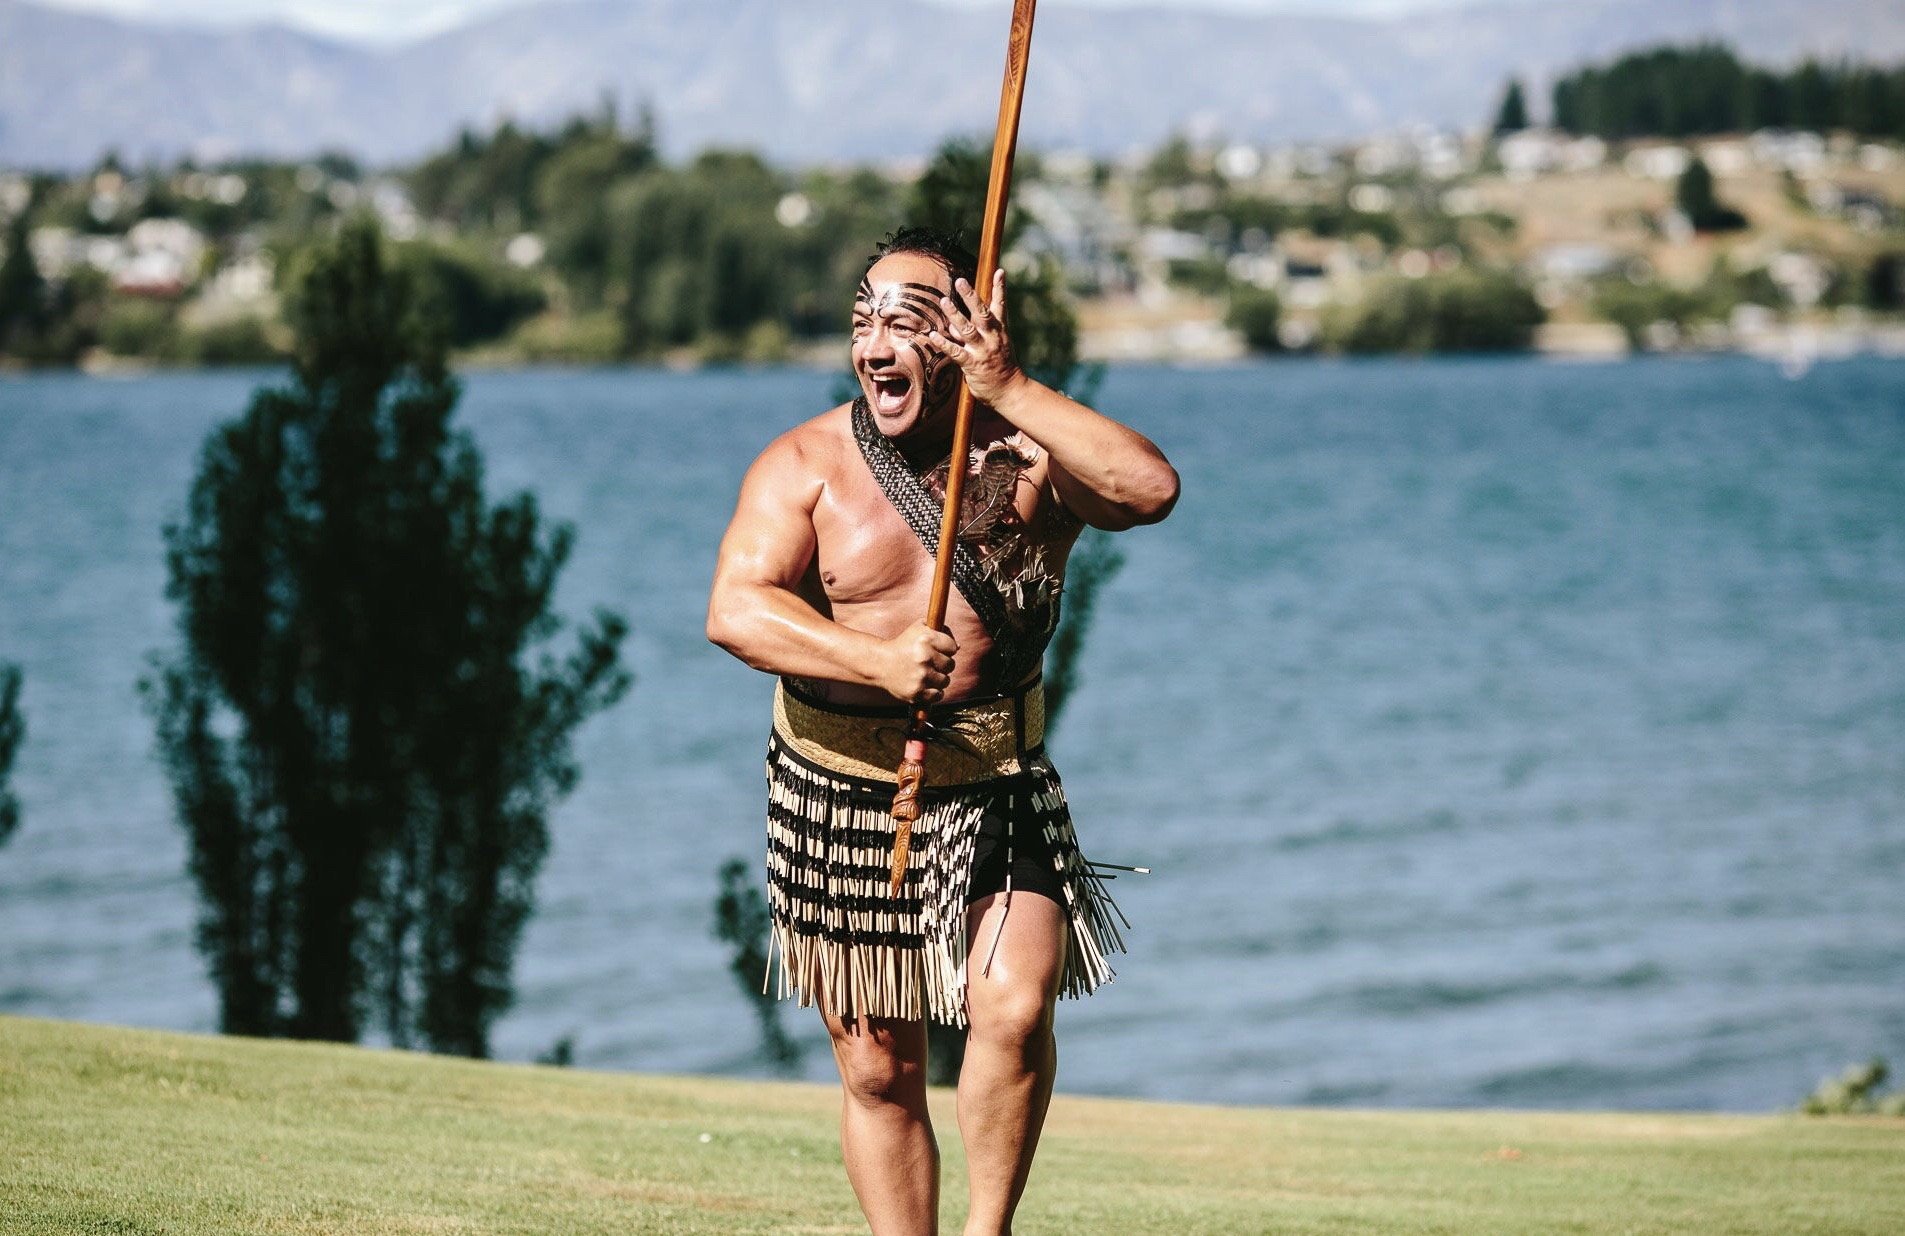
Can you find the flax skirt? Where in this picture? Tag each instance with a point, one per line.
(840, 937)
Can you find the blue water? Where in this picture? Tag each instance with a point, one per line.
(1501, 732)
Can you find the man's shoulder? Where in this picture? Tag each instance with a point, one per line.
(817, 445)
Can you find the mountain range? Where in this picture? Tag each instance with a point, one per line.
(817, 80)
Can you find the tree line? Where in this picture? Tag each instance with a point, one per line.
(1687, 91)
(722, 253)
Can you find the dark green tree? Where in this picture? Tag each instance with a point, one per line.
(1682, 91)
(366, 720)
(479, 299)
(1453, 311)
(1884, 282)
(22, 291)
(1694, 194)
(1255, 313)
(572, 194)
(1512, 115)
(742, 921)
(12, 734)
(698, 253)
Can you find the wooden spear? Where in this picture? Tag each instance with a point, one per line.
(1005, 140)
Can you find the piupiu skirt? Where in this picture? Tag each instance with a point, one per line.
(842, 939)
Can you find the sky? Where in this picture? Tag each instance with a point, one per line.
(389, 20)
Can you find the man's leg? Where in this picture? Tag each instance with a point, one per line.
(886, 1135)
(1005, 1083)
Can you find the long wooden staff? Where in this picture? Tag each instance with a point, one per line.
(1005, 140)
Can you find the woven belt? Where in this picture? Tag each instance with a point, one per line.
(980, 739)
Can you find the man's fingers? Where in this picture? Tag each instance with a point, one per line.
(942, 641)
(941, 344)
(953, 349)
(942, 663)
(998, 295)
(959, 320)
(978, 311)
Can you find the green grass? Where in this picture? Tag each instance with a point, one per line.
(129, 1131)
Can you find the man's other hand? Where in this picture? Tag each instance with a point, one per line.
(975, 339)
(919, 664)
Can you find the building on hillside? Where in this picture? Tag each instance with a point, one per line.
(1076, 226)
(16, 194)
(1657, 161)
(1798, 152)
(59, 251)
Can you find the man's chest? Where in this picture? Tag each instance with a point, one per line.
(866, 552)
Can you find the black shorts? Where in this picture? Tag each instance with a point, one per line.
(1013, 838)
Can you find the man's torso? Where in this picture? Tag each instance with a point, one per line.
(871, 572)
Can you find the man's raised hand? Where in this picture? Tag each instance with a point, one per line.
(918, 664)
(975, 339)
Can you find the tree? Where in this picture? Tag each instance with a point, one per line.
(1884, 282)
(12, 733)
(1452, 311)
(1681, 91)
(1512, 115)
(742, 921)
(22, 289)
(1695, 196)
(1255, 313)
(365, 722)
(479, 299)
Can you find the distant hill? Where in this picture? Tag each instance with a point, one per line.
(823, 79)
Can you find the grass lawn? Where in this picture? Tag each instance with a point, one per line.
(128, 1132)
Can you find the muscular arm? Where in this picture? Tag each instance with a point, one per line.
(1109, 475)
(756, 612)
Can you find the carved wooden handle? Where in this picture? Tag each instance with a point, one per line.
(906, 808)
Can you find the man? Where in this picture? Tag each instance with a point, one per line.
(823, 579)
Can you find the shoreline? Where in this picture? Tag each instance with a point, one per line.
(1797, 346)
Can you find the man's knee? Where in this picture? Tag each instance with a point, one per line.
(1015, 1016)
(876, 1067)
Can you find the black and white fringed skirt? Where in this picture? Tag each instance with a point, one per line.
(843, 940)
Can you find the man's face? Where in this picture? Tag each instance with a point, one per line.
(906, 382)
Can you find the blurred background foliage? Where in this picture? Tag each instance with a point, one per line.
(582, 243)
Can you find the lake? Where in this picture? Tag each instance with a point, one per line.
(1500, 732)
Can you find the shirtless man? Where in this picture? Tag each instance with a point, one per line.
(823, 579)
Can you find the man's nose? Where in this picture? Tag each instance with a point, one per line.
(879, 345)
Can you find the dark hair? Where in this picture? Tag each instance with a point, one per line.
(946, 248)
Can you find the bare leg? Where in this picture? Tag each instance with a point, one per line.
(1005, 1084)
(886, 1135)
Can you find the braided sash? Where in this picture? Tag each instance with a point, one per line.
(1017, 649)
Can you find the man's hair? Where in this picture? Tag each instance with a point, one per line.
(946, 248)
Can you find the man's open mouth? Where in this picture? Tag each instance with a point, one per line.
(890, 392)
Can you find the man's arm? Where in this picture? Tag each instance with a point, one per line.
(1109, 475)
(756, 612)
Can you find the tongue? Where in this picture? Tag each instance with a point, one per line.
(892, 394)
